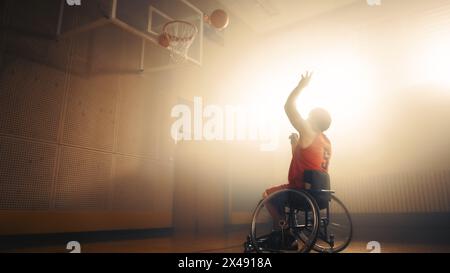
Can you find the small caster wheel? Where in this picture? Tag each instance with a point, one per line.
(248, 245)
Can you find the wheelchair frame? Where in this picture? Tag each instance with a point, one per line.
(319, 227)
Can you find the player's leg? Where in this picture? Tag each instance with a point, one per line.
(276, 206)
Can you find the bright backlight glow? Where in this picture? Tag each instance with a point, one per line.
(341, 85)
(434, 62)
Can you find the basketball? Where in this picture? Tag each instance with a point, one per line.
(219, 19)
(163, 40)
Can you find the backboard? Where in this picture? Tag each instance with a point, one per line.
(142, 18)
(149, 16)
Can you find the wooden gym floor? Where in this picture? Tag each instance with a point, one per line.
(230, 242)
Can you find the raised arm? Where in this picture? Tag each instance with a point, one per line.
(300, 124)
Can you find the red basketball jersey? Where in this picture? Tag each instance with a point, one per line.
(315, 157)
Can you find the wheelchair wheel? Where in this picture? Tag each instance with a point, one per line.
(335, 229)
(296, 229)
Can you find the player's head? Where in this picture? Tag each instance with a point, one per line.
(320, 119)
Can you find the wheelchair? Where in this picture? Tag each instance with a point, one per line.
(311, 219)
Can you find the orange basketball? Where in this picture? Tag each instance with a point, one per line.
(219, 19)
(164, 40)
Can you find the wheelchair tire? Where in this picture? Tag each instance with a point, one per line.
(343, 224)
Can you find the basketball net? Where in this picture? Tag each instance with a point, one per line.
(180, 35)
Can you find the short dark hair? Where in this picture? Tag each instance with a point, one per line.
(321, 118)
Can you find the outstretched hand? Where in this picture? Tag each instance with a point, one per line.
(294, 138)
(305, 80)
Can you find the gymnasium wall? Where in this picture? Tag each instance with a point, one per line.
(83, 142)
(109, 161)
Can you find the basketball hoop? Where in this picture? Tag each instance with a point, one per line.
(178, 36)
